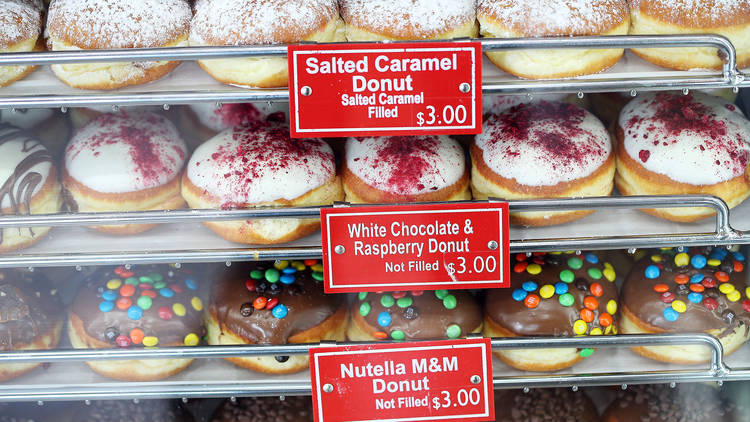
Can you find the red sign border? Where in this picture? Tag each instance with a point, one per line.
(476, 87)
(503, 249)
(487, 378)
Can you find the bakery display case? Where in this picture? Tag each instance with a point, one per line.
(148, 302)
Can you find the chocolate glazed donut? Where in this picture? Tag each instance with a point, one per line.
(702, 290)
(552, 294)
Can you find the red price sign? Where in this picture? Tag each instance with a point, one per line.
(427, 381)
(415, 247)
(385, 89)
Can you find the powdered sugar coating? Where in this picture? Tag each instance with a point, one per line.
(15, 147)
(20, 20)
(243, 22)
(408, 18)
(230, 115)
(536, 18)
(119, 153)
(696, 139)
(96, 24)
(25, 119)
(696, 13)
(259, 163)
(544, 144)
(406, 165)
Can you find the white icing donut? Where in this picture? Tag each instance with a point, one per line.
(497, 104)
(22, 159)
(260, 163)
(231, 115)
(544, 144)
(26, 118)
(696, 139)
(20, 20)
(406, 165)
(408, 19)
(118, 153)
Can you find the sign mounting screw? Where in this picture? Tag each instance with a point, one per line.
(339, 249)
(306, 91)
(475, 379)
(492, 245)
(464, 87)
(328, 388)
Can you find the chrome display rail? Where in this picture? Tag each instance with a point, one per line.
(723, 233)
(730, 77)
(716, 371)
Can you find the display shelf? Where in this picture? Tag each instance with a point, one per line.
(210, 376)
(189, 84)
(184, 239)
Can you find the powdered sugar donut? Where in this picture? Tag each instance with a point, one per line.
(202, 121)
(20, 27)
(101, 24)
(248, 22)
(669, 143)
(543, 150)
(259, 165)
(29, 185)
(405, 169)
(543, 18)
(376, 20)
(730, 18)
(124, 162)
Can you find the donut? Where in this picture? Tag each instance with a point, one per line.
(144, 306)
(20, 30)
(31, 317)
(552, 294)
(108, 24)
(660, 403)
(29, 185)
(414, 315)
(259, 165)
(702, 290)
(281, 303)
(127, 411)
(542, 150)
(248, 22)
(263, 409)
(669, 143)
(46, 124)
(544, 404)
(124, 162)
(496, 104)
(730, 18)
(404, 169)
(379, 20)
(202, 121)
(549, 18)
(79, 116)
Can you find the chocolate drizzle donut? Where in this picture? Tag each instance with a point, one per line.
(142, 306)
(30, 317)
(702, 290)
(553, 294)
(274, 304)
(414, 315)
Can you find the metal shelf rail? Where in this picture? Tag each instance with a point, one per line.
(729, 77)
(717, 370)
(723, 233)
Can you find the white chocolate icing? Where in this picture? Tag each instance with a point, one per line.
(27, 118)
(259, 163)
(230, 115)
(13, 151)
(119, 153)
(697, 139)
(544, 144)
(406, 165)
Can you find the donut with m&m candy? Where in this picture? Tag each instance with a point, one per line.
(414, 315)
(701, 290)
(552, 294)
(144, 306)
(274, 304)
